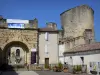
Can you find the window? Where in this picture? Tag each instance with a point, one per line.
(70, 57)
(18, 52)
(46, 50)
(82, 58)
(46, 36)
(88, 36)
(64, 62)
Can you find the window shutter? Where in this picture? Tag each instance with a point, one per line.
(46, 36)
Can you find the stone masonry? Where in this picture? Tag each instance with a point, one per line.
(27, 37)
(75, 22)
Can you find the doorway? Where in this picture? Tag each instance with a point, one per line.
(47, 62)
(33, 57)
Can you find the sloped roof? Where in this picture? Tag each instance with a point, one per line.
(84, 47)
(47, 29)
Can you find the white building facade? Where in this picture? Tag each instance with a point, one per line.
(61, 51)
(85, 55)
(48, 46)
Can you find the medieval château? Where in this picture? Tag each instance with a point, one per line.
(22, 41)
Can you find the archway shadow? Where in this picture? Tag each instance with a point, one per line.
(6, 53)
(6, 69)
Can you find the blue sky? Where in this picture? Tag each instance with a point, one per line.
(46, 10)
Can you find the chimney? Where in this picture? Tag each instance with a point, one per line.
(52, 25)
(35, 22)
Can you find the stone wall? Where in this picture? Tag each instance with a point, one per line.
(26, 36)
(74, 22)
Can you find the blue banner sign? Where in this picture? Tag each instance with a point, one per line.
(15, 25)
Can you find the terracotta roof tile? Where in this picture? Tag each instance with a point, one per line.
(85, 47)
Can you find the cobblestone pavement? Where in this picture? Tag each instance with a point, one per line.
(56, 73)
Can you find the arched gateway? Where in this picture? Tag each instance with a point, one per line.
(15, 52)
(17, 46)
(18, 41)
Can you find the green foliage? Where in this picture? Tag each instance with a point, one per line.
(77, 68)
(60, 65)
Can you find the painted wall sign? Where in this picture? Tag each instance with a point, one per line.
(15, 25)
(33, 50)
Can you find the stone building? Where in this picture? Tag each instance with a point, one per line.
(18, 41)
(48, 44)
(61, 46)
(80, 45)
(74, 23)
(22, 42)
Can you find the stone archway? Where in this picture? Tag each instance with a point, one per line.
(9, 53)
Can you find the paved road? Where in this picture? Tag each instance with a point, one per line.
(56, 73)
(37, 73)
(51, 73)
(19, 73)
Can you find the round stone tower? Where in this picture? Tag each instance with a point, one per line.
(74, 21)
(78, 26)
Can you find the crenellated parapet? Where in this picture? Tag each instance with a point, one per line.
(18, 23)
